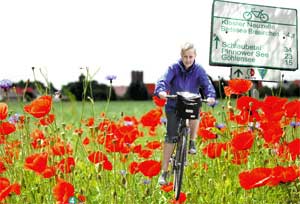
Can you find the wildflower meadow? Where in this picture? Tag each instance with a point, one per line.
(107, 152)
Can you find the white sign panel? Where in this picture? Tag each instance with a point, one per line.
(259, 74)
(253, 35)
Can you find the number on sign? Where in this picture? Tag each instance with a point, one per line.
(287, 49)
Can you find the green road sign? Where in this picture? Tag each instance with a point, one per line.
(257, 74)
(253, 35)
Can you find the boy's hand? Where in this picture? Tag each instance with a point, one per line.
(162, 95)
(211, 101)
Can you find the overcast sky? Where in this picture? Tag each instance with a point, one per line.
(112, 36)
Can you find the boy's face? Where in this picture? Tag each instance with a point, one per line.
(188, 57)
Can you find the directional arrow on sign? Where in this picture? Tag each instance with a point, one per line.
(217, 39)
(238, 72)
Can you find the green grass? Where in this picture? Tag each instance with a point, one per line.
(218, 184)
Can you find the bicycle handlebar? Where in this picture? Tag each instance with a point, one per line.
(175, 96)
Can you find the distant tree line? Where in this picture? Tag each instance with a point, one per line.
(137, 90)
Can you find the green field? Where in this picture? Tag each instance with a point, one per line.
(206, 180)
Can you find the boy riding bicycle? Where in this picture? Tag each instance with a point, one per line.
(185, 75)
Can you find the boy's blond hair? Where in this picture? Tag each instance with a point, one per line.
(187, 46)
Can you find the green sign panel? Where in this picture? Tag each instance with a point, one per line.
(253, 35)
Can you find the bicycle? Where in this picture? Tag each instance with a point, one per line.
(257, 14)
(187, 107)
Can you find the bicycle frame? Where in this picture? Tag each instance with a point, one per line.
(179, 157)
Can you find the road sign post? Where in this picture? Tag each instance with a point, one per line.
(253, 35)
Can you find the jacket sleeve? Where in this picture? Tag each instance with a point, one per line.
(206, 84)
(163, 84)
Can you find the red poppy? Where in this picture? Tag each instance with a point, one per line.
(137, 148)
(239, 86)
(60, 148)
(3, 111)
(114, 144)
(49, 172)
(128, 133)
(133, 167)
(37, 162)
(78, 131)
(152, 118)
(89, 122)
(81, 198)
(39, 139)
(159, 101)
(107, 165)
(283, 151)
(207, 120)
(242, 141)
(63, 191)
(294, 148)
(227, 91)
(273, 107)
(205, 134)
(145, 153)
(130, 120)
(152, 131)
(107, 126)
(86, 141)
(66, 165)
(153, 145)
(167, 187)
(7, 128)
(293, 109)
(6, 188)
(97, 157)
(242, 118)
(181, 199)
(150, 168)
(255, 178)
(249, 107)
(213, 150)
(2, 167)
(47, 120)
(272, 131)
(285, 174)
(240, 157)
(39, 107)
(205, 166)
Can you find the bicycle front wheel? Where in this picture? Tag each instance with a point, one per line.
(264, 17)
(180, 159)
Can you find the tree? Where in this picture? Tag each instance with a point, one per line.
(93, 89)
(137, 91)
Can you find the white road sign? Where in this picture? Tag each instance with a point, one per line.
(258, 74)
(253, 35)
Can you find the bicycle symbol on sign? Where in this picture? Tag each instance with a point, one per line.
(248, 15)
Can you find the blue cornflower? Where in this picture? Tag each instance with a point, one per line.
(251, 125)
(294, 124)
(13, 119)
(163, 120)
(220, 125)
(111, 78)
(128, 123)
(5, 84)
(123, 172)
(146, 181)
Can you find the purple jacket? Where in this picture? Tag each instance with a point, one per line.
(177, 78)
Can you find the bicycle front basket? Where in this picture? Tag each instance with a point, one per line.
(188, 105)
